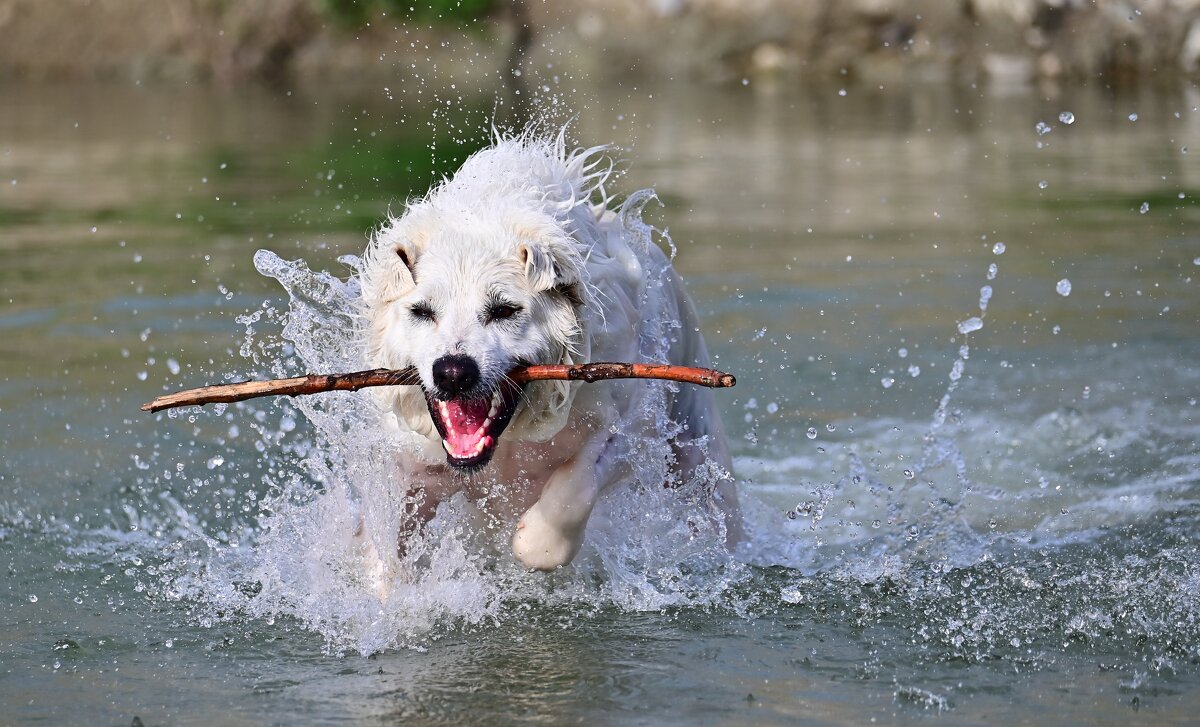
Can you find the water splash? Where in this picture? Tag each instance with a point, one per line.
(323, 549)
(912, 526)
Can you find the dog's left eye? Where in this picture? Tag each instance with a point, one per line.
(501, 311)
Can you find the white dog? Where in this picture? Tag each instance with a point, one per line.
(516, 260)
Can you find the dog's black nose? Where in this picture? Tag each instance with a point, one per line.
(455, 374)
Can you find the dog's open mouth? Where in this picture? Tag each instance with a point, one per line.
(471, 425)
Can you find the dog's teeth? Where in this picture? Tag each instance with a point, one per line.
(446, 446)
(479, 446)
(486, 423)
(481, 431)
(492, 412)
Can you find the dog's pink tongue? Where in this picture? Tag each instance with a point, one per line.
(464, 426)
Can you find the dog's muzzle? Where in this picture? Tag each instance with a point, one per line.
(468, 415)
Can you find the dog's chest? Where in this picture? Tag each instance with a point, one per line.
(536, 462)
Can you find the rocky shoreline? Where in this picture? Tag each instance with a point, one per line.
(709, 40)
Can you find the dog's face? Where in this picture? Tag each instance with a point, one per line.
(464, 301)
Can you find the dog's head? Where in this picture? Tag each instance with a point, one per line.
(466, 285)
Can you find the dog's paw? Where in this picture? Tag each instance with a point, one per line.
(539, 545)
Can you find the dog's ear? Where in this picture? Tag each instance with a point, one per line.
(391, 272)
(546, 268)
(406, 253)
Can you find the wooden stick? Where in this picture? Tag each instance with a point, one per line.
(317, 383)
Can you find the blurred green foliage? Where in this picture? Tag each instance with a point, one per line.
(340, 184)
(355, 13)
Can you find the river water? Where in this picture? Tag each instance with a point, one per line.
(964, 322)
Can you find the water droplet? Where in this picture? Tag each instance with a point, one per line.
(1144, 208)
(914, 371)
(215, 461)
(970, 325)
(998, 248)
(173, 366)
(772, 408)
(887, 382)
(992, 271)
(1196, 261)
(1042, 128)
(1043, 184)
(902, 353)
(141, 375)
(811, 433)
(909, 474)
(831, 427)
(841, 92)
(32, 598)
(1063, 287)
(1133, 117)
(1067, 118)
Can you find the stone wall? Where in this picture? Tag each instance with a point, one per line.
(712, 40)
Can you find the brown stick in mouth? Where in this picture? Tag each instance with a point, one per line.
(317, 383)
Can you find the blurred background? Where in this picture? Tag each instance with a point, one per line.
(709, 40)
(949, 247)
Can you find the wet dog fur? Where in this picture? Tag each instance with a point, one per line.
(519, 259)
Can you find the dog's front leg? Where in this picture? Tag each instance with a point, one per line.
(420, 505)
(425, 488)
(549, 533)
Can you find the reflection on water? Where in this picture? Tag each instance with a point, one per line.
(1035, 553)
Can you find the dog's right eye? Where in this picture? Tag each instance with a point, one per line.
(422, 312)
